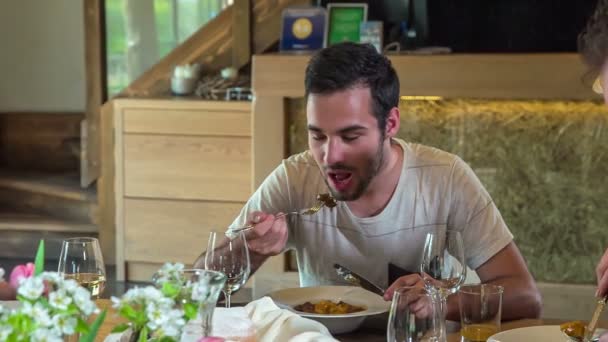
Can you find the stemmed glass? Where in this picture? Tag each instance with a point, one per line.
(415, 316)
(231, 257)
(443, 267)
(81, 260)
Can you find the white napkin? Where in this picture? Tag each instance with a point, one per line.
(275, 324)
(261, 321)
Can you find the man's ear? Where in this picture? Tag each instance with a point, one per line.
(393, 122)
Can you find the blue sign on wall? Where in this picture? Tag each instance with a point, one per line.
(303, 29)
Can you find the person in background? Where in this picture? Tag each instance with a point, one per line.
(390, 192)
(593, 46)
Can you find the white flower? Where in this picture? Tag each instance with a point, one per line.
(173, 324)
(59, 300)
(64, 324)
(2, 273)
(170, 272)
(52, 277)
(70, 285)
(5, 330)
(200, 290)
(116, 302)
(82, 299)
(38, 312)
(31, 288)
(152, 293)
(45, 335)
(156, 316)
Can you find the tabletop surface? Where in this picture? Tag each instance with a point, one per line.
(373, 331)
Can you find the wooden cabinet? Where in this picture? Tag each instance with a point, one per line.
(181, 169)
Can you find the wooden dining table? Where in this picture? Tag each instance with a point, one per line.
(372, 331)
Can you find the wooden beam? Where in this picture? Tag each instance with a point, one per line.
(497, 76)
(241, 33)
(96, 92)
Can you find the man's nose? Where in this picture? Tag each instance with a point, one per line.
(333, 152)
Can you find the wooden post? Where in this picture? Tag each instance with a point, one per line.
(96, 92)
(241, 33)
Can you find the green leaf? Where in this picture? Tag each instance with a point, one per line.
(82, 326)
(128, 312)
(94, 329)
(190, 310)
(120, 328)
(143, 334)
(166, 339)
(170, 290)
(39, 261)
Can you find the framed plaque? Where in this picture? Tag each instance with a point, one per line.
(344, 22)
(303, 29)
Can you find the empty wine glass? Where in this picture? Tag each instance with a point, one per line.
(81, 260)
(443, 267)
(415, 316)
(231, 257)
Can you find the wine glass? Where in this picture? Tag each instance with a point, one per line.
(415, 316)
(231, 257)
(443, 267)
(81, 260)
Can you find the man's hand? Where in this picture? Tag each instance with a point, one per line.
(412, 280)
(411, 288)
(602, 276)
(269, 234)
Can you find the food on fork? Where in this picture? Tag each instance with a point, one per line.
(574, 329)
(327, 200)
(328, 307)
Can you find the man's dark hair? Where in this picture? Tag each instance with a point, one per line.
(593, 40)
(349, 65)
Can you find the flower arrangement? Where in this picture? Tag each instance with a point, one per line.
(159, 313)
(50, 309)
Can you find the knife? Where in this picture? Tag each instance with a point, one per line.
(358, 280)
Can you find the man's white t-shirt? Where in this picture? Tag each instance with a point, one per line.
(436, 191)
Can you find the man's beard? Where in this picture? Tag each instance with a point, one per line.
(370, 171)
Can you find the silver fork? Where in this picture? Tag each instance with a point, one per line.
(309, 211)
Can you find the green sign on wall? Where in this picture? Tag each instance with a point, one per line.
(344, 22)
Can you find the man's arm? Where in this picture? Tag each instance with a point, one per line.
(267, 238)
(521, 298)
(602, 276)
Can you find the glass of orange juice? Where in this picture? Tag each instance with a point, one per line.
(480, 311)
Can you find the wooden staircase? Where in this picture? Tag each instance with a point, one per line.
(40, 193)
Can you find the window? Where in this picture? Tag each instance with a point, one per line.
(140, 33)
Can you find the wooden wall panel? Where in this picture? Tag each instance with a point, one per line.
(168, 230)
(501, 76)
(187, 167)
(187, 121)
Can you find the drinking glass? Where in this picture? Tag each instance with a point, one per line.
(207, 297)
(480, 311)
(415, 316)
(443, 267)
(231, 257)
(81, 260)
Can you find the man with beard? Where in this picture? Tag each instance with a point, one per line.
(390, 192)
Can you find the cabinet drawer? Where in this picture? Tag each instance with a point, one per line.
(190, 167)
(158, 231)
(213, 122)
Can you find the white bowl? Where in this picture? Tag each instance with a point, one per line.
(336, 324)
